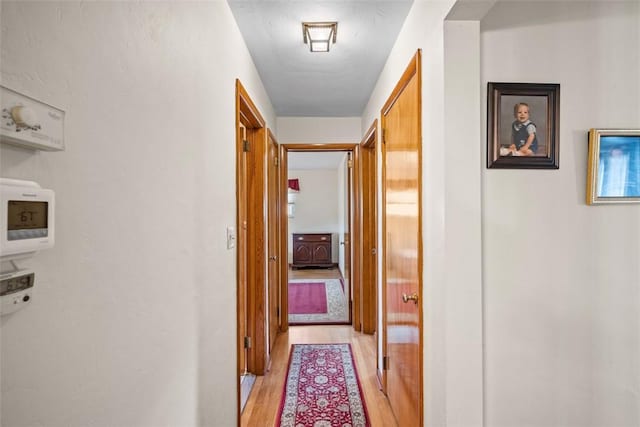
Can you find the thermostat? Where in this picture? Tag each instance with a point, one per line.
(27, 218)
(16, 290)
(28, 122)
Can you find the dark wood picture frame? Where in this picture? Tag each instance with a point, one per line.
(539, 105)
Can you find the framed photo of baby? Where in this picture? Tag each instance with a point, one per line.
(523, 125)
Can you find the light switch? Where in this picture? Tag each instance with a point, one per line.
(231, 237)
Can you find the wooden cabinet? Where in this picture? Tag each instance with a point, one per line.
(312, 250)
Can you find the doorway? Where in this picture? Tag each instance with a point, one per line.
(250, 225)
(318, 221)
(320, 244)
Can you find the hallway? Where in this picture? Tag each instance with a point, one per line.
(262, 407)
(530, 296)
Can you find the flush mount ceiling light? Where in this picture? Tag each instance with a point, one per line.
(319, 35)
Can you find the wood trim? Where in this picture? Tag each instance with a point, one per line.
(273, 237)
(370, 136)
(370, 236)
(383, 255)
(240, 256)
(240, 252)
(256, 252)
(412, 68)
(368, 207)
(320, 147)
(356, 240)
(248, 110)
(271, 135)
(418, 65)
(284, 242)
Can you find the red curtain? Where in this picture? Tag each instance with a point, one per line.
(294, 184)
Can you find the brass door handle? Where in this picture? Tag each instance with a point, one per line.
(273, 258)
(413, 297)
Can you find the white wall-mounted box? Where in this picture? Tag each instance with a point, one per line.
(29, 122)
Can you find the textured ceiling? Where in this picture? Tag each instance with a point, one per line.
(333, 84)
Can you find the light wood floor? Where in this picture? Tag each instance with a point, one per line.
(314, 273)
(264, 401)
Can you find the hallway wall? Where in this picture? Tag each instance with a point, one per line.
(316, 207)
(559, 292)
(561, 279)
(318, 130)
(133, 318)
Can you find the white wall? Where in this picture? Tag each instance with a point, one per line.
(561, 331)
(134, 314)
(463, 224)
(561, 279)
(452, 336)
(562, 335)
(325, 130)
(316, 207)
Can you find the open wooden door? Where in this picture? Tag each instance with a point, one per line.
(273, 237)
(402, 268)
(251, 230)
(346, 242)
(241, 242)
(368, 206)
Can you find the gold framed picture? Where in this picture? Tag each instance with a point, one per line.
(613, 172)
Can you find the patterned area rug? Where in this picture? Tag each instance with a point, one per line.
(322, 388)
(336, 312)
(307, 298)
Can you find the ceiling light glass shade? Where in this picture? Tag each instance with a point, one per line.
(319, 46)
(319, 35)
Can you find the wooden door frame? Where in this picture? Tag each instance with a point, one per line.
(273, 303)
(368, 173)
(250, 245)
(284, 225)
(413, 69)
(241, 246)
(354, 309)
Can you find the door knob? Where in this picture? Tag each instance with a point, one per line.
(273, 258)
(413, 297)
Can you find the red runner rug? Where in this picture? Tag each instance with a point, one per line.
(307, 298)
(322, 388)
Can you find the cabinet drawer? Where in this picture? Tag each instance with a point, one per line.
(311, 237)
